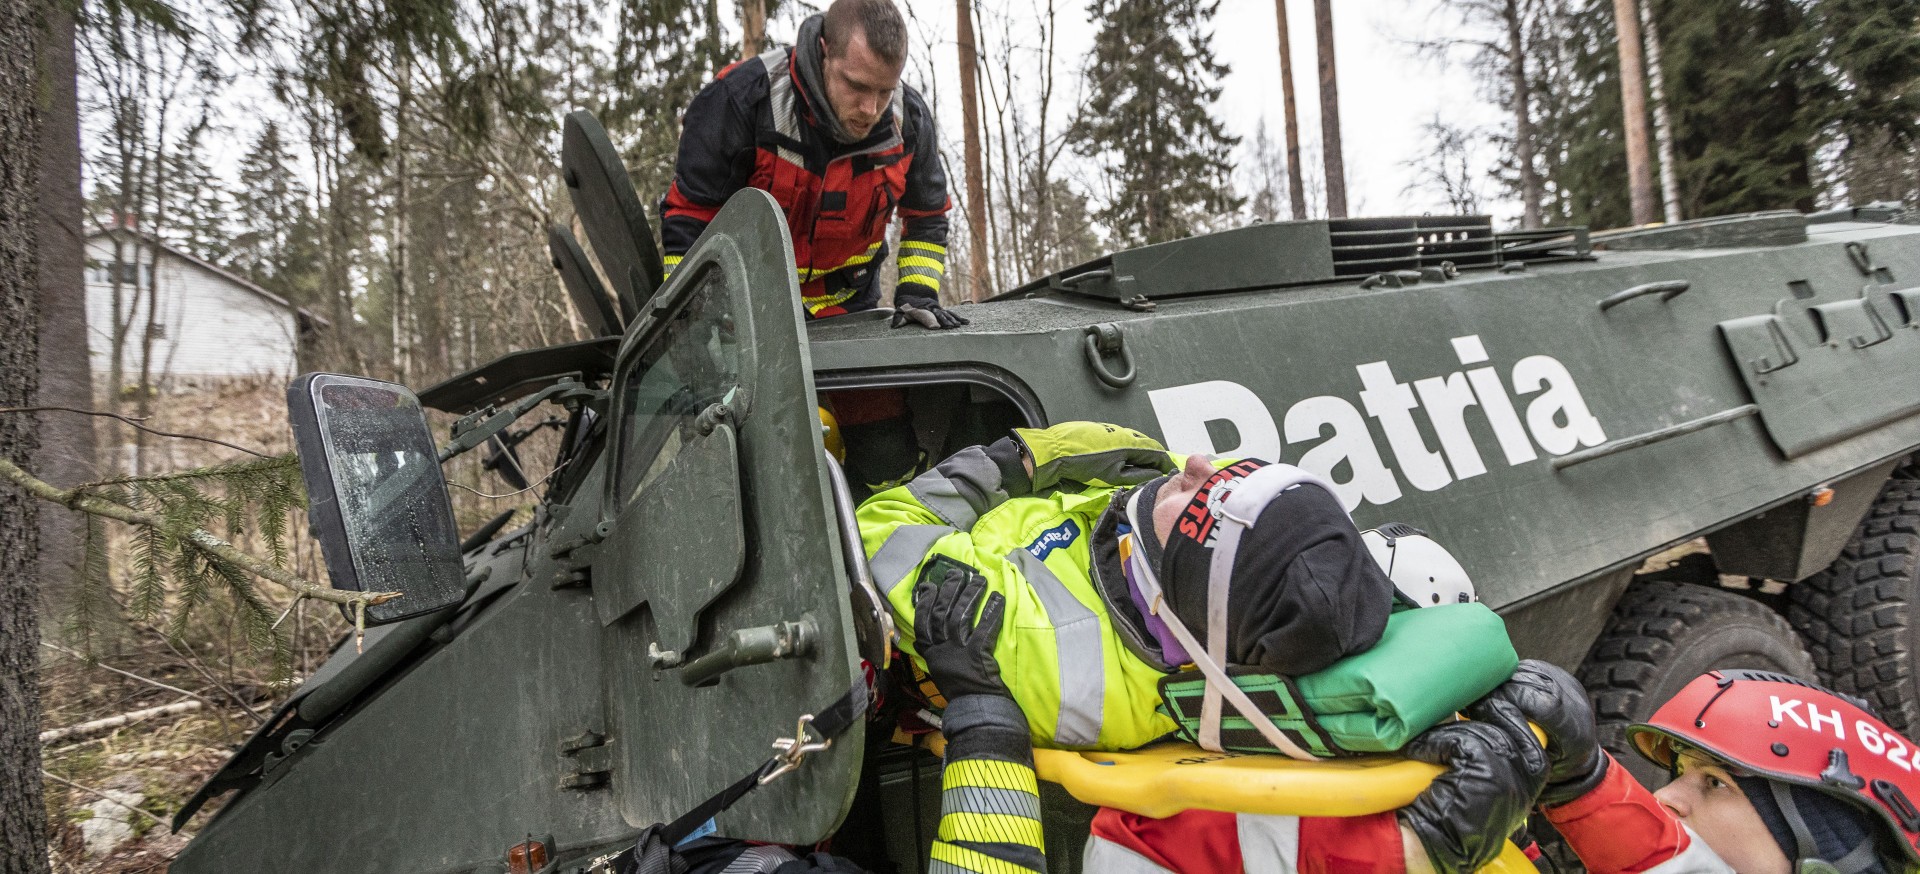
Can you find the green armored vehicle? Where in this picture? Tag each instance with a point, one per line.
(1556, 407)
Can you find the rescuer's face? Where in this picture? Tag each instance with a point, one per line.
(1705, 797)
(1177, 492)
(860, 85)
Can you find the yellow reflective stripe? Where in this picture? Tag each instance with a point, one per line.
(922, 261)
(916, 279)
(816, 303)
(933, 248)
(974, 860)
(670, 262)
(991, 773)
(991, 828)
(857, 260)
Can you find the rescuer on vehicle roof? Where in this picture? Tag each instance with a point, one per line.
(829, 130)
(827, 127)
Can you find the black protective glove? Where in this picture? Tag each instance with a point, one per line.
(958, 653)
(925, 312)
(1466, 814)
(1552, 699)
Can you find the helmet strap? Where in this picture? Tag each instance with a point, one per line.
(1856, 860)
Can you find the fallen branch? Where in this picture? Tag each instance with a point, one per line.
(98, 794)
(76, 499)
(112, 722)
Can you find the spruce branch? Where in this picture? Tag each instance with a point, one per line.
(208, 553)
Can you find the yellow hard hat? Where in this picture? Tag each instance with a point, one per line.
(830, 433)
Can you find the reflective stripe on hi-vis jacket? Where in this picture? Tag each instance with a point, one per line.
(1079, 686)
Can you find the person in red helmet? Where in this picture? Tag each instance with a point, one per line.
(1771, 775)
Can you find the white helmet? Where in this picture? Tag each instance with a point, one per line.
(1423, 571)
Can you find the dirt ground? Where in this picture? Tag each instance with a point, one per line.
(143, 771)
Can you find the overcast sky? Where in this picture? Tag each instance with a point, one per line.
(1387, 91)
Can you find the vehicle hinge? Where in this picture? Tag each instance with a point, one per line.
(586, 761)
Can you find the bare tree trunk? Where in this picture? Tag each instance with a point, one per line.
(1662, 126)
(1633, 101)
(753, 20)
(1330, 112)
(1296, 187)
(969, 46)
(66, 369)
(23, 824)
(1524, 136)
(402, 227)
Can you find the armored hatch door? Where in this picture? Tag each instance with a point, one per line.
(718, 523)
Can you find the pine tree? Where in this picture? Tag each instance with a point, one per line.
(1150, 81)
(1873, 46)
(279, 248)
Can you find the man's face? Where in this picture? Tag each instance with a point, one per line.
(860, 85)
(1178, 491)
(1705, 797)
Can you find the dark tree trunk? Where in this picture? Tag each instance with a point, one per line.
(1633, 101)
(23, 824)
(1330, 112)
(1525, 138)
(979, 287)
(1296, 175)
(68, 452)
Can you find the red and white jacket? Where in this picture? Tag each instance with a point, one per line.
(1618, 828)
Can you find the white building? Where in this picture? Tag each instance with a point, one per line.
(208, 325)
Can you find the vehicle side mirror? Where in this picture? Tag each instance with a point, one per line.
(376, 499)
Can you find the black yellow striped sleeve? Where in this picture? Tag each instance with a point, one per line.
(989, 796)
(923, 266)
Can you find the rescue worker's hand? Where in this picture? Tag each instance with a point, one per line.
(1484, 794)
(1093, 453)
(958, 652)
(925, 312)
(1552, 699)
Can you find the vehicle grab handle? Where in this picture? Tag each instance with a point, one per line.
(751, 646)
(1667, 290)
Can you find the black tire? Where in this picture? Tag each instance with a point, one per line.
(1857, 615)
(1661, 636)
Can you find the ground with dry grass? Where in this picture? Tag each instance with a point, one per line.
(141, 772)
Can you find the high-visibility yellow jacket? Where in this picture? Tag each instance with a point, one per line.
(1078, 684)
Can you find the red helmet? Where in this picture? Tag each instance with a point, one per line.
(1785, 729)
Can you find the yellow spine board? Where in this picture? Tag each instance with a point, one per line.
(1163, 780)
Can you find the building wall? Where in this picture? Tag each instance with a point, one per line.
(209, 328)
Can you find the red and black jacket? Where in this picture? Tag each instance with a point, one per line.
(754, 126)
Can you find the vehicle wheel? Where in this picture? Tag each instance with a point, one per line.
(1856, 615)
(1663, 635)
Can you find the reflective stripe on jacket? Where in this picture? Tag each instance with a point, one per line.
(1080, 687)
(753, 127)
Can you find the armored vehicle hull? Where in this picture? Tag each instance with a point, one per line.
(1555, 417)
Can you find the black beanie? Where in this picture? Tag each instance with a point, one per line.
(1834, 826)
(1304, 591)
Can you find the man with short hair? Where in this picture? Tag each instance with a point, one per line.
(829, 130)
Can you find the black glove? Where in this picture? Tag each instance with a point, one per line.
(1466, 814)
(1552, 699)
(958, 653)
(925, 312)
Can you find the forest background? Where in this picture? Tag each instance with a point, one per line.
(392, 167)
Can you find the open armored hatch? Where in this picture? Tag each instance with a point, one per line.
(721, 582)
